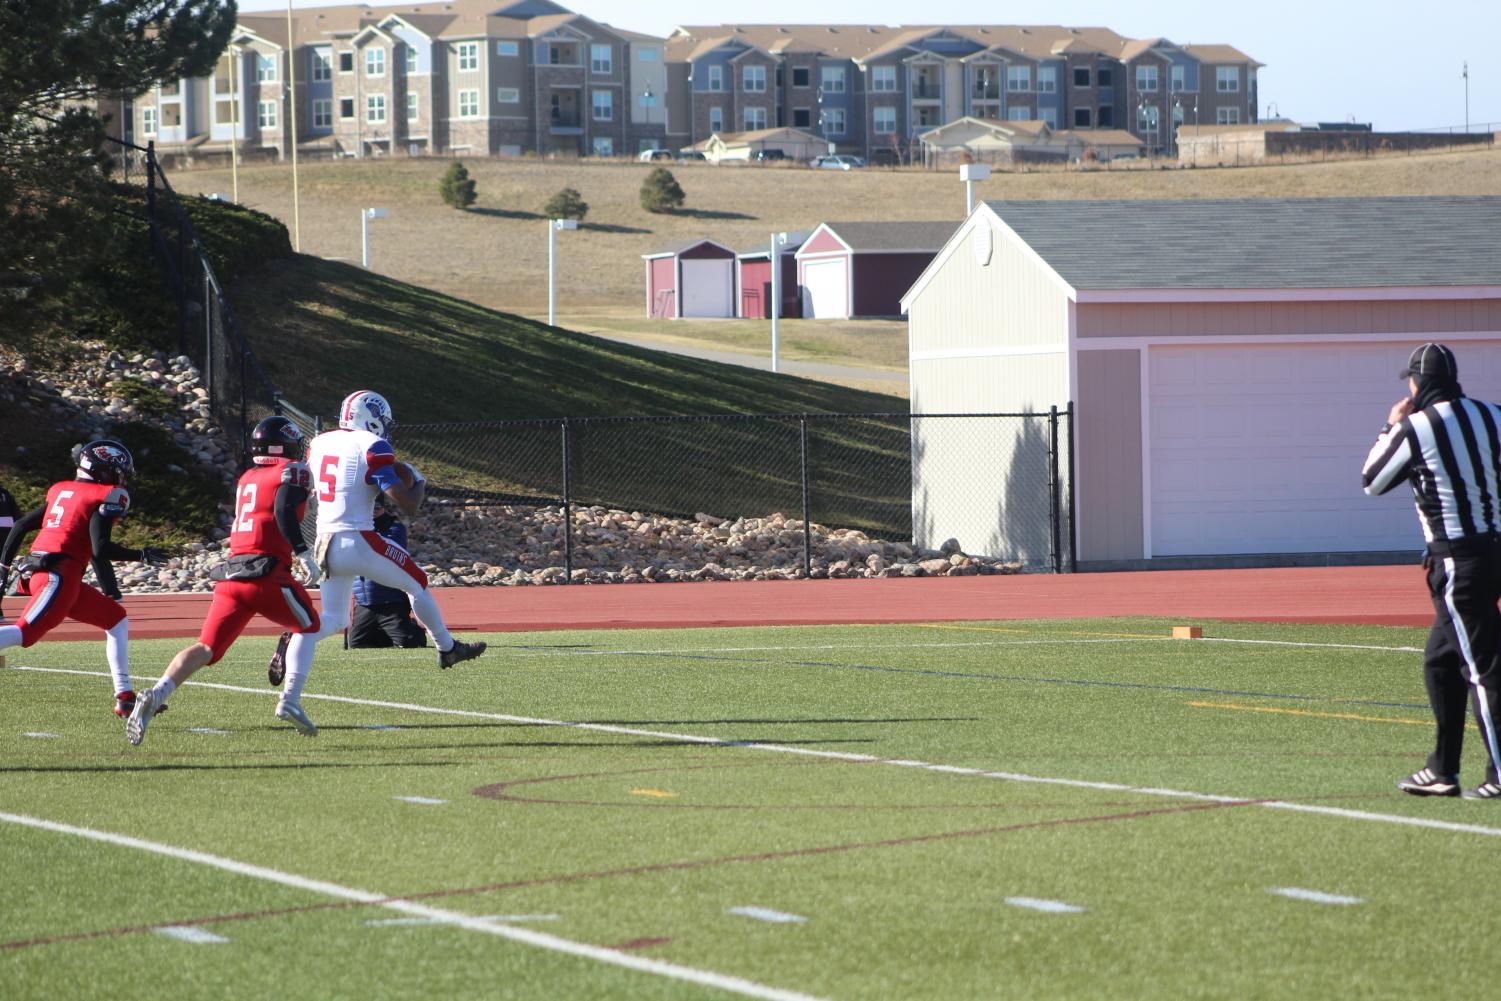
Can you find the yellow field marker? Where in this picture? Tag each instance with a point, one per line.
(1308, 712)
(654, 793)
(1188, 632)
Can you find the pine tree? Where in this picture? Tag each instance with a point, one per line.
(660, 192)
(566, 204)
(457, 187)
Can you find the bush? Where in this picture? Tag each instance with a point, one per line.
(660, 192)
(566, 204)
(457, 187)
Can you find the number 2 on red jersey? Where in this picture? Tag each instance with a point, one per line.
(246, 508)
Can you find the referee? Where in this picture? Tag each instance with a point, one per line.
(1449, 447)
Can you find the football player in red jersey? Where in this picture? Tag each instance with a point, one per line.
(76, 521)
(264, 538)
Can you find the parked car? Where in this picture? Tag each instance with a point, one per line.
(767, 155)
(692, 156)
(648, 155)
(838, 161)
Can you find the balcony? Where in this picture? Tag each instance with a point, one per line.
(923, 90)
(566, 120)
(986, 93)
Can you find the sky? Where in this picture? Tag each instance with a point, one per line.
(1395, 65)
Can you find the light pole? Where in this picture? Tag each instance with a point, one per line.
(778, 241)
(1466, 75)
(553, 225)
(365, 216)
(236, 58)
(292, 122)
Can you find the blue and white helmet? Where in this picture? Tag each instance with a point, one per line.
(364, 410)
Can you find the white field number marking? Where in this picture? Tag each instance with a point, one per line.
(1049, 906)
(421, 800)
(767, 914)
(42, 734)
(197, 936)
(808, 752)
(1315, 896)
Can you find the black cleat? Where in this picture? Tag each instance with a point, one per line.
(458, 653)
(277, 669)
(1427, 782)
(1488, 790)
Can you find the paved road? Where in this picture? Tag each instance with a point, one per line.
(806, 369)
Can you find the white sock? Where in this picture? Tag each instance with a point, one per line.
(425, 608)
(117, 652)
(299, 662)
(9, 636)
(165, 688)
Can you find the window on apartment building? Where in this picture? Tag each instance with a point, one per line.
(781, 116)
(346, 108)
(323, 64)
(411, 58)
(1146, 78)
(1019, 113)
(1081, 76)
(413, 111)
(1226, 78)
(1178, 78)
(1105, 76)
(601, 59)
(716, 119)
(883, 78)
(604, 105)
(780, 83)
(375, 108)
(647, 54)
(323, 114)
(604, 146)
(468, 56)
(1047, 79)
(716, 78)
(265, 114)
(507, 95)
(507, 49)
(1082, 118)
(832, 78)
(643, 145)
(1049, 116)
(885, 121)
(832, 120)
(346, 62)
(1227, 116)
(1146, 121)
(802, 118)
(265, 69)
(1018, 78)
(1106, 119)
(148, 121)
(801, 76)
(753, 79)
(468, 104)
(755, 118)
(561, 55)
(375, 61)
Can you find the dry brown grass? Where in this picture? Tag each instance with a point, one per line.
(495, 254)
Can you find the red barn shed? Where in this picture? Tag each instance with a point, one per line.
(755, 280)
(696, 278)
(850, 269)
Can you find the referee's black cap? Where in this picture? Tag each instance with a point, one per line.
(1432, 359)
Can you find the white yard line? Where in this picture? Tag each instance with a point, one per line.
(525, 651)
(690, 738)
(767, 914)
(197, 936)
(1047, 906)
(1315, 896)
(541, 940)
(421, 800)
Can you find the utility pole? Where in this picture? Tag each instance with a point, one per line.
(1466, 75)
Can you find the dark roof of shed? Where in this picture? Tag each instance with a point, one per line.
(672, 250)
(1265, 243)
(894, 235)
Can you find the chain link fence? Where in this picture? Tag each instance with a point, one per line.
(804, 495)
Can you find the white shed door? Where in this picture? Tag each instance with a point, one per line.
(708, 288)
(1258, 448)
(826, 289)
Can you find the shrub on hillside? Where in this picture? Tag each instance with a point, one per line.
(660, 192)
(566, 204)
(457, 187)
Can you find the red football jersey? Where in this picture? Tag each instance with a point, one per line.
(254, 529)
(69, 507)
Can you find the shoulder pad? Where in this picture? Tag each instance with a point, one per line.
(297, 474)
(116, 502)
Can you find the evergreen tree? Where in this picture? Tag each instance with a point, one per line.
(457, 187)
(566, 204)
(660, 192)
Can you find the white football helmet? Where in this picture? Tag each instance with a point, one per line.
(364, 410)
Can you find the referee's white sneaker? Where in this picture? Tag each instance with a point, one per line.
(1427, 782)
(1487, 790)
(292, 713)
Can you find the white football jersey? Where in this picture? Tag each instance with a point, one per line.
(350, 469)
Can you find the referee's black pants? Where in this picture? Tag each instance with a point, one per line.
(1462, 661)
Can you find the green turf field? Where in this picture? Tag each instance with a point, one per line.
(1022, 810)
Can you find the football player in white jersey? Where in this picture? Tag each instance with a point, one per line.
(351, 466)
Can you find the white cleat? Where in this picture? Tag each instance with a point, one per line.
(292, 713)
(146, 706)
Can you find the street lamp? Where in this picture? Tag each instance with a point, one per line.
(553, 225)
(778, 241)
(365, 216)
(237, 57)
(1466, 75)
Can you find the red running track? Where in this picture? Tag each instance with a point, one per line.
(1390, 595)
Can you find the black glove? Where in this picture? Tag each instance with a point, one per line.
(152, 557)
(113, 594)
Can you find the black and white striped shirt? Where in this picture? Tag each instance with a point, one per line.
(1451, 452)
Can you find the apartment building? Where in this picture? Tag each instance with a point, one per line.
(871, 89)
(491, 77)
(461, 76)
